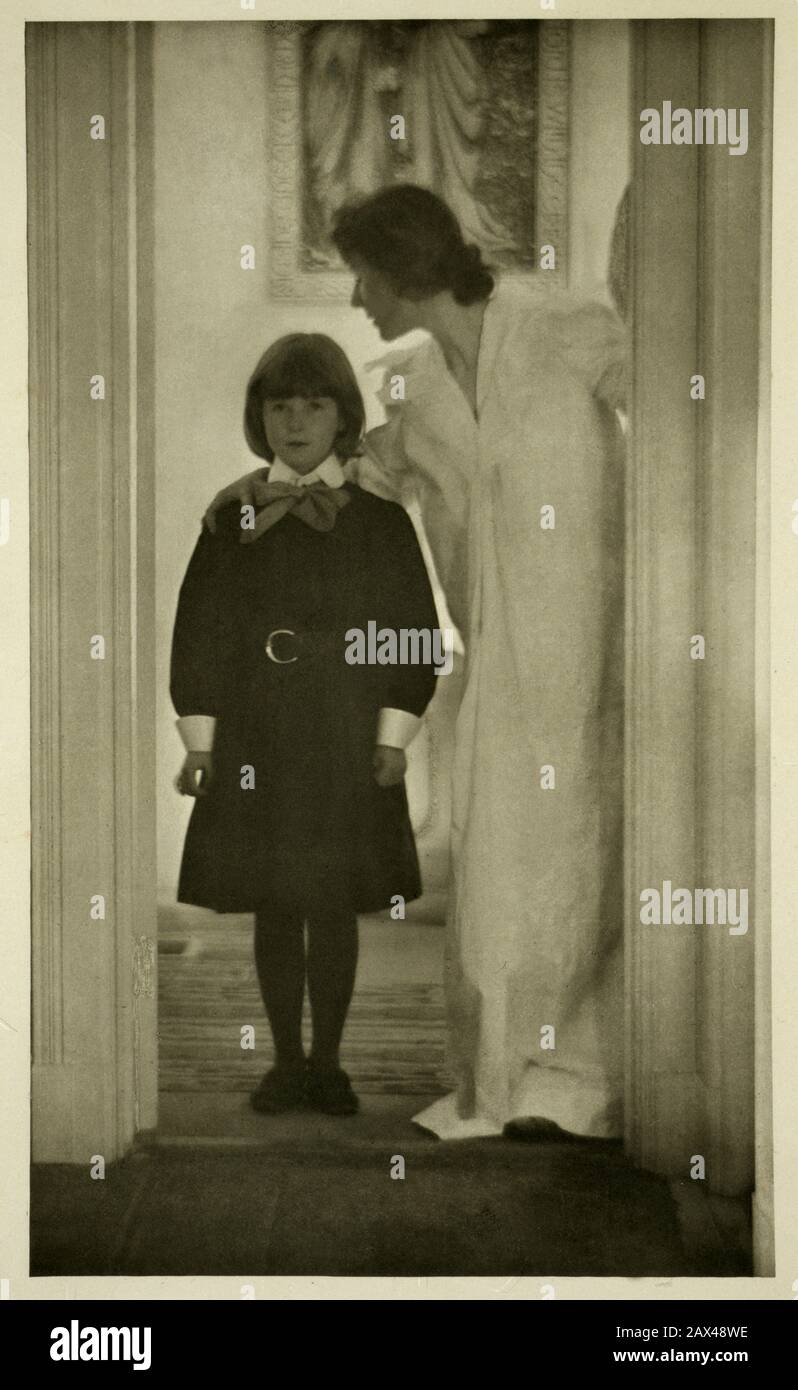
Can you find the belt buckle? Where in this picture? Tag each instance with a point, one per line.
(279, 632)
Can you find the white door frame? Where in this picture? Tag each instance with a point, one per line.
(696, 753)
(94, 1080)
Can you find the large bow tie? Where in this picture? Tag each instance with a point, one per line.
(316, 504)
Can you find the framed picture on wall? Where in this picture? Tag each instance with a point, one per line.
(476, 110)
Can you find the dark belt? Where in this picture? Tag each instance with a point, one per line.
(284, 645)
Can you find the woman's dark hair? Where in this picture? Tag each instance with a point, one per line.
(305, 364)
(412, 236)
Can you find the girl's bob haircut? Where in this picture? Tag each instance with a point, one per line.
(305, 364)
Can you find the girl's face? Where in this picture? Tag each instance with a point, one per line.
(302, 430)
(390, 313)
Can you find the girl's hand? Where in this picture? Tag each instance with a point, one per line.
(195, 775)
(244, 490)
(390, 765)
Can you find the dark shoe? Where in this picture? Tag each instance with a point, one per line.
(330, 1091)
(533, 1129)
(282, 1088)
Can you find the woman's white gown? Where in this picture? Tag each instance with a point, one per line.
(523, 509)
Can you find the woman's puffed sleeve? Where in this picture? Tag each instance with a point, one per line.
(596, 345)
(383, 468)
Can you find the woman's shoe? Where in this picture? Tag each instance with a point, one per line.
(533, 1129)
(330, 1090)
(282, 1088)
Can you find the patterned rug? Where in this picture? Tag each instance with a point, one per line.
(208, 991)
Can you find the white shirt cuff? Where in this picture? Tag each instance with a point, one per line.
(396, 728)
(196, 731)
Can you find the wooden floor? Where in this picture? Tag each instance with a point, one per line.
(395, 1034)
(313, 1203)
(219, 1189)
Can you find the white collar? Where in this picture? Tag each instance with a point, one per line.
(329, 471)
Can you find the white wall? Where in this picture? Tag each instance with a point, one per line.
(599, 155)
(213, 319)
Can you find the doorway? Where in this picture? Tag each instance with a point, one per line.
(95, 927)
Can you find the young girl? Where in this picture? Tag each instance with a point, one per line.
(295, 755)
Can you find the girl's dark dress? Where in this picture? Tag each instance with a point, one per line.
(315, 829)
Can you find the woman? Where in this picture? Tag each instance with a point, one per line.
(508, 434)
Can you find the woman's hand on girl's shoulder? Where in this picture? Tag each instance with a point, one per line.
(245, 491)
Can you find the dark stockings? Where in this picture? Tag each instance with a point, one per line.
(331, 965)
(281, 965)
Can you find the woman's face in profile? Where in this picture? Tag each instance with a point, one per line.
(391, 314)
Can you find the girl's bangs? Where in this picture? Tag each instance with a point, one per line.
(298, 373)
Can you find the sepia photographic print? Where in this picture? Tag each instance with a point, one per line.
(400, 504)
